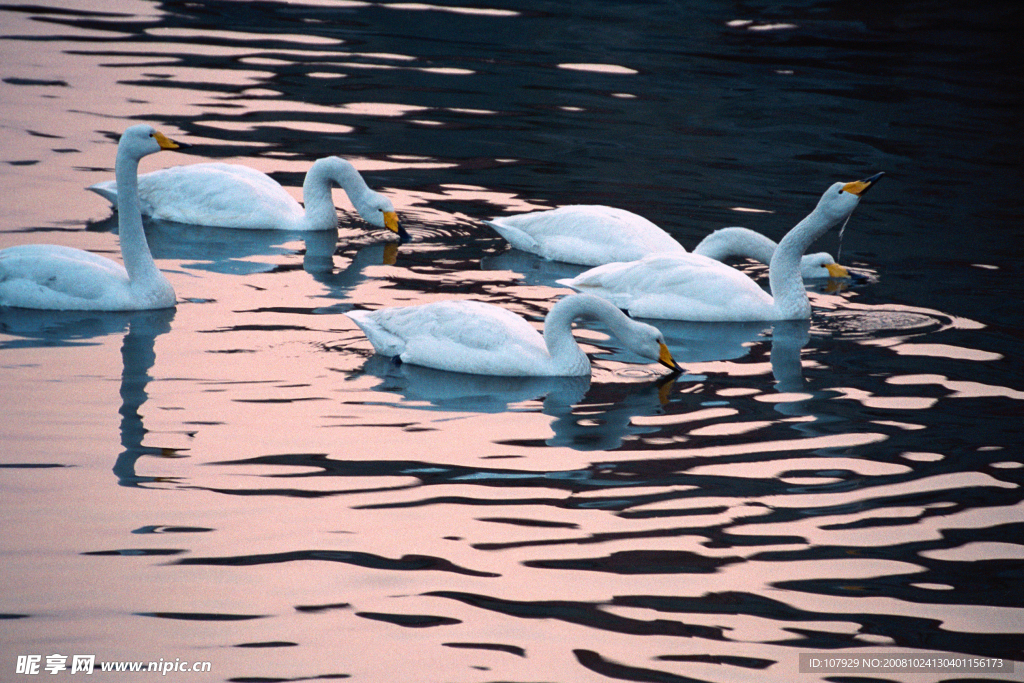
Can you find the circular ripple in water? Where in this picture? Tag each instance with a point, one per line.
(880, 322)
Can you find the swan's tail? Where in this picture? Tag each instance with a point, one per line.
(107, 189)
(383, 341)
(571, 283)
(517, 238)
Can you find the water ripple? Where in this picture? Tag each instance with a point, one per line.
(405, 563)
(846, 483)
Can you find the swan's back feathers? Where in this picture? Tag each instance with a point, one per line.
(678, 272)
(214, 194)
(461, 336)
(585, 234)
(55, 277)
(681, 286)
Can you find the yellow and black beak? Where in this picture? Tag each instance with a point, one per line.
(665, 358)
(859, 187)
(167, 143)
(392, 223)
(837, 271)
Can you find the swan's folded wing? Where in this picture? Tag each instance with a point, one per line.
(462, 336)
(627, 235)
(223, 195)
(679, 274)
(679, 286)
(472, 325)
(585, 234)
(213, 194)
(56, 277)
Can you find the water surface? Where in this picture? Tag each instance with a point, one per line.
(239, 480)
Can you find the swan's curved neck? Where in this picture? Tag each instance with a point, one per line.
(565, 351)
(138, 260)
(784, 274)
(736, 242)
(316, 191)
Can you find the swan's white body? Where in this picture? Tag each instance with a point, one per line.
(233, 196)
(483, 339)
(685, 286)
(56, 277)
(593, 235)
(588, 235)
(726, 243)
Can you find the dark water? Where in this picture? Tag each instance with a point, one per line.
(238, 481)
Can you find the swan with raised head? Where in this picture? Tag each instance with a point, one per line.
(686, 286)
(726, 243)
(593, 235)
(234, 196)
(51, 276)
(484, 339)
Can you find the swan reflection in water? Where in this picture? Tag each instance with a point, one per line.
(605, 426)
(138, 355)
(231, 251)
(534, 269)
(457, 391)
(442, 390)
(29, 328)
(607, 420)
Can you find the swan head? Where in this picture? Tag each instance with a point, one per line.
(142, 139)
(822, 265)
(377, 210)
(648, 341)
(841, 199)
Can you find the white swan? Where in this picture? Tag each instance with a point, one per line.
(685, 286)
(483, 339)
(593, 235)
(57, 277)
(588, 235)
(233, 196)
(726, 243)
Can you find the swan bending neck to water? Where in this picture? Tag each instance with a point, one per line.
(234, 196)
(48, 276)
(593, 235)
(483, 339)
(726, 243)
(687, 286)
